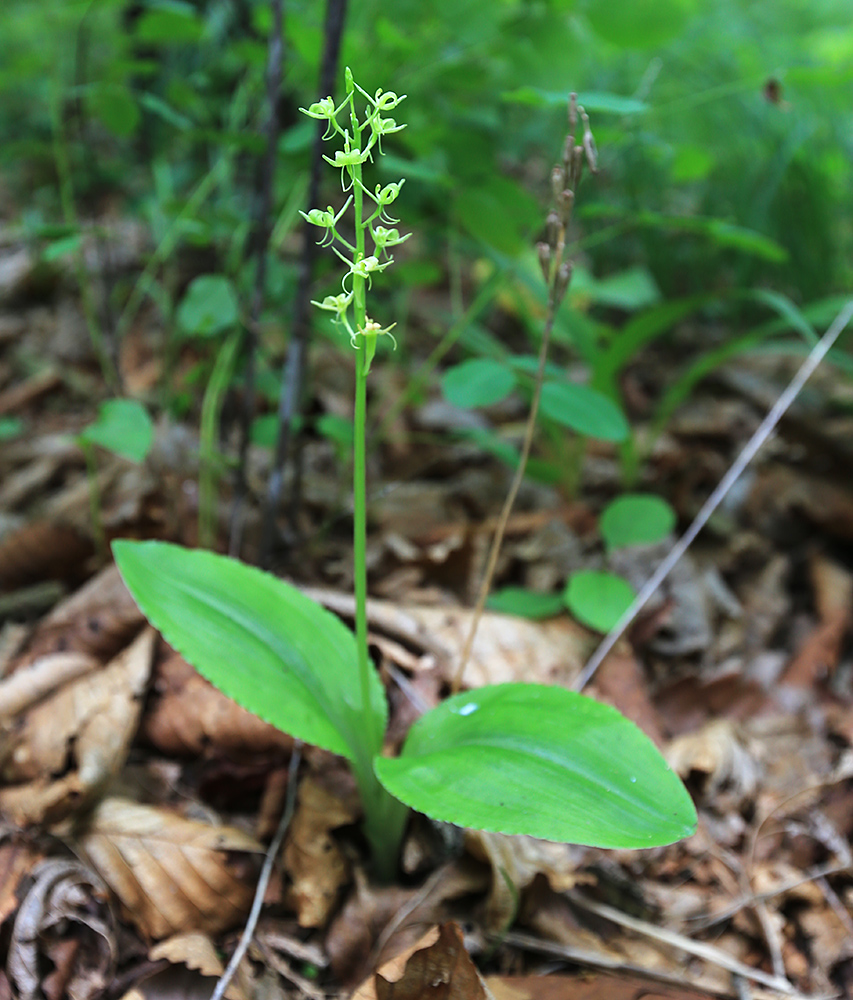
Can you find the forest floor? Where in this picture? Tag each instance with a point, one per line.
(136, 801)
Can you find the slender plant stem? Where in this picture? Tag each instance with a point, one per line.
(259, 244)
(69, 214)
(211, 409)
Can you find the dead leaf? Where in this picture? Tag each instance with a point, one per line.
(588, 987)
(42, 550)
(98, 619)
(818, 657)
(197, 952)
(187, 715)
(515, 862)
(620, 682)
(63, 931)
(172, 875)
(436, 968)
(70, 745)
(316, 864)
(719, 758)
(506, 648)
(25, 687)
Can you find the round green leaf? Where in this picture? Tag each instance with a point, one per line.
(209, 306)
(583, 410)
(478, 382)
(259, 640)
(636, 519)
(123, 427)
(598, 599)
(525, 603)
(542, 761)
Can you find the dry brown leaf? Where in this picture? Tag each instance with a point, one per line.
(63, 931)
(377, 922)
(316, 864)
(197, 952)
(187, 715)
(587, 987)
(42, 550)
(719, 755)
(98, 619)
(818, 657)
(17, 859)
(82, 734)
(506, 648)
(171, 874)
(25, 687)
(620, 682)
(515, 862)
(436, 968)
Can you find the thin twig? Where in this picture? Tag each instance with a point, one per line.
(260, 245)
(294, 367)
(564, 180)
(263, 880)
(817, 354)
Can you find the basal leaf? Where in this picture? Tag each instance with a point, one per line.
(258, 639)
(543, 761)
(636, 519)
(122, 427)
(598, 599)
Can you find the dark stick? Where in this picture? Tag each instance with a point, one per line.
(260, 244)
(294, 367)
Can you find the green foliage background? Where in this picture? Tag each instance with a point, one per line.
(726, 131)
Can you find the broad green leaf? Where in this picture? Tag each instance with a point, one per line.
(583, 410)
(258, 639)
(123, 427)
(478, 382)
(598, 599)
(209, 306)
(636, 519)
(115, 106)
(525, 603)
(599, 102)
(542, 761)
(629, 290)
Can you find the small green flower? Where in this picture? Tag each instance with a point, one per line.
(384, 238)
(321, 109)
(335, 303)
(326, 220)
(369, 334)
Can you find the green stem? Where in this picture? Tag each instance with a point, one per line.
(211, 409)
(384, 816)
(69, 215)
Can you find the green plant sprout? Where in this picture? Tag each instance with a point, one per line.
(515, 758)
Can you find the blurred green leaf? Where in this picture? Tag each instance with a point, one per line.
(524, 603)
(583, 410)
(122, 427)
(477, 382)
(598, 599)
(636, 519)
(209, 306)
